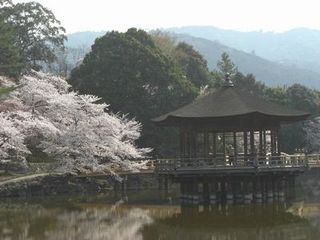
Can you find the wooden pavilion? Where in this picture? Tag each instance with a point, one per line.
(230, 131)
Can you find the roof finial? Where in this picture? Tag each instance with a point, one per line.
(228, 81)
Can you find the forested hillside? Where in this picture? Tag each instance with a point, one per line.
(270, 72)
(299, 46)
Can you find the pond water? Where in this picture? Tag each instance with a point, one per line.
(152, 215)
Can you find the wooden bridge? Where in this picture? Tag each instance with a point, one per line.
(286, 163)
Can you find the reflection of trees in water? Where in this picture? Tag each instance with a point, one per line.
(21, 221)
(36, 222)
(124, 222)
(261, 222)
(97, 224)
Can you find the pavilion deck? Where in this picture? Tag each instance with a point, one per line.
(240, 165)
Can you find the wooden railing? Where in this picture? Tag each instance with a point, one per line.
(313, 160)
(284, 161)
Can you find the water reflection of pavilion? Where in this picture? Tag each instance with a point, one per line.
(259, 222)
(89, 220)
(229, 143)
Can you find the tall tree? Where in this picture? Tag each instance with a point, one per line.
(226, 66)
(187, 58)
(36, 32)
(10, 64)
(75, 130)
(193, 64)
(132, 74)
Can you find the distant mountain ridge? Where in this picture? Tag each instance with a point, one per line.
(82, 39)
(299, 46)
(270, 72)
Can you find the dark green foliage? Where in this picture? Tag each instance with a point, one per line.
(10, 64)
(303, 98)
(193, 64)
(132, 75)
(300, 97)
(35, 33)
(225, 65)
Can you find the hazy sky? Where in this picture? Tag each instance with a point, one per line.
(244, 15)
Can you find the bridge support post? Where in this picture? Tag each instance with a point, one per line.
(248, 189)
(290, 185)
(281, 189)
(160, 182)
(205, 192)
(269, 188)
(195, 192)
(213, 192)
(238, 190)
(229, 191)
(166, 184)
(275, 188)
(124, 184)
(258, 189)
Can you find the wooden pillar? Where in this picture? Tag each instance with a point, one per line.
(206, 144)
(264, 142)
(282, 189)
(187, 144)
(238, 190)
(229, 190)
(235, 148)
(206, 192)
(182, 191)
(248, 190)
(213, 191)
(194, 143)
(272, 142)
(245, 145)
(258, 189)
(182, 142)
(270, 190)
(124, 184)
(214, 144)
(252, 141)
(260, 143)
(222, 190)
(195, 191)
(224, 145)
(160, 183)
(277, 142)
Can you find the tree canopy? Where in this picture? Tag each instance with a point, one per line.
(191, 62)
(33, 31)
(131, 73)
(10, 62)
(75, 130)
(225, 65)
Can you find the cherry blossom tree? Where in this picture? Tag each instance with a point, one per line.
(76, 130)
(11, 142)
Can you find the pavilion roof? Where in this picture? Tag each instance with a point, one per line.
(229, 102)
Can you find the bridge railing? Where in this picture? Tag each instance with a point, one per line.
(284, 161)
(313, 160)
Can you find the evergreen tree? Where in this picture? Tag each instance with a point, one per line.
(10, 63)
(131, 73)
(34, 32)
(226, 66)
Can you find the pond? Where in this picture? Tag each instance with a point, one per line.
(151, 215)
